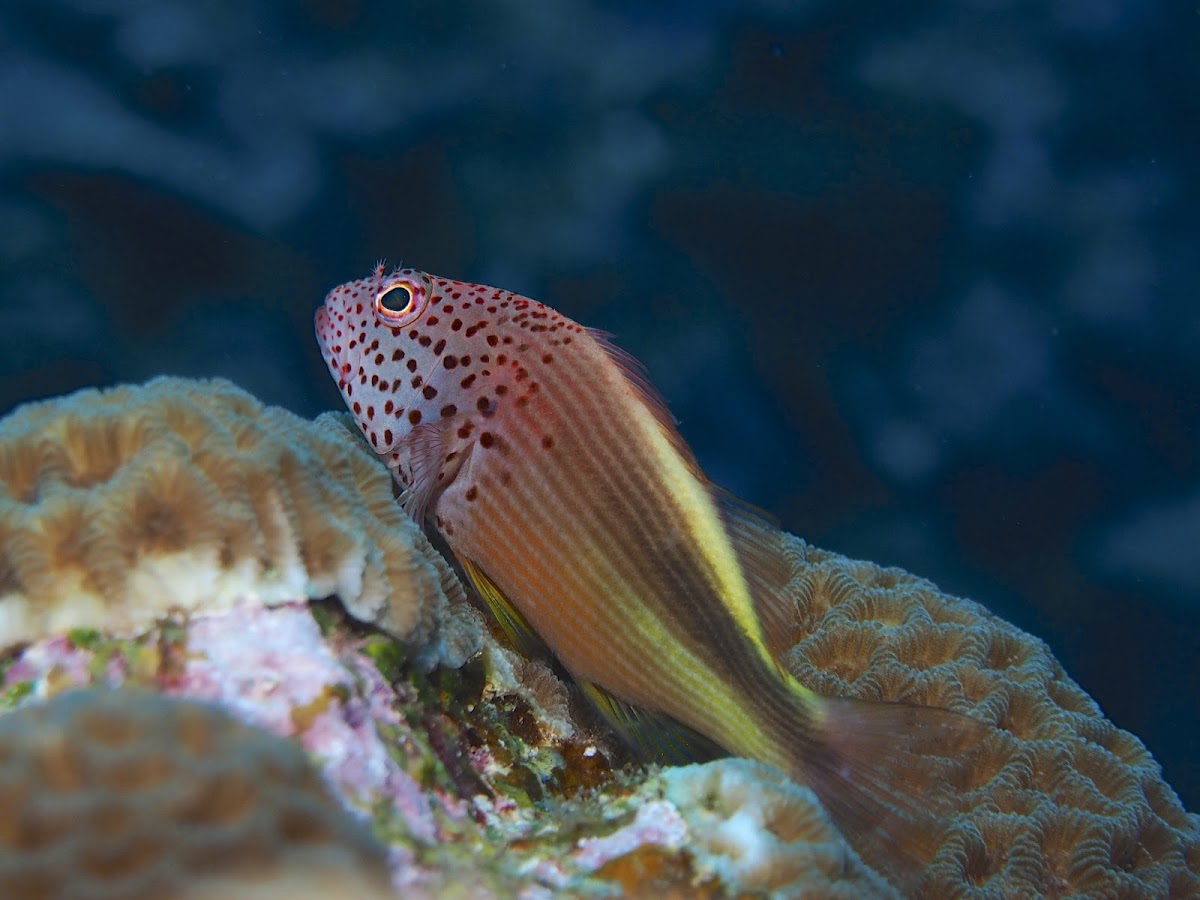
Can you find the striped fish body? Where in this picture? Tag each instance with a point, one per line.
(539, 453)
(545, 460)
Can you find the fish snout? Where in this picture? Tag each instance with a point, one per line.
(325, 342)
(321, 324)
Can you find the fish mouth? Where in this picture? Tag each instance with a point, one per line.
(321, 327)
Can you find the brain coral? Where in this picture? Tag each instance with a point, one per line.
(1059, 802)
(130, 794)
(119, 505)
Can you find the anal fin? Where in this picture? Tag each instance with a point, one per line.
(651, 737)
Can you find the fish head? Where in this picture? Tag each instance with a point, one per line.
(412, 351)
(377, 336)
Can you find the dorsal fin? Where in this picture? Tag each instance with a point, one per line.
(635, 373)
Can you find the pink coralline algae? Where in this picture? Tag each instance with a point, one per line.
(271, 668)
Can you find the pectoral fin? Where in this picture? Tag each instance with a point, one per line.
(427, 448)
(518, 631)
(653, 738)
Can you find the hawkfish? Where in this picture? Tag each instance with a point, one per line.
(553, 471)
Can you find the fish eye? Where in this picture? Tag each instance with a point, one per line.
(400, 302)
(395, 301)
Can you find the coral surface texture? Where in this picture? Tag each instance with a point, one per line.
(129, 794)
(1059, 802)
(113, 502)
(285, 693)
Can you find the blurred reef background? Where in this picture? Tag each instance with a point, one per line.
(920, 281)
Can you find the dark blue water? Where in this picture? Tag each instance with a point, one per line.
(921, 281)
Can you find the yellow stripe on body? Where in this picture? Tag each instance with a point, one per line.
(700, 514)
(590, 567)
(654, 660)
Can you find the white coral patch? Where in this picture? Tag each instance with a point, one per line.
(657, 823)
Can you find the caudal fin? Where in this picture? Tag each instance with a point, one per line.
(886, 774)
